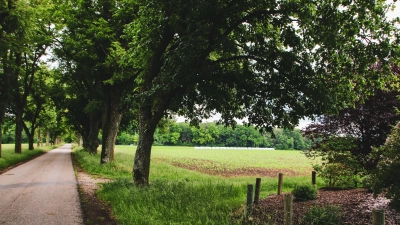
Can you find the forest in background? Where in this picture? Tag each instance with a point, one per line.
(207, 134)
(212, 134)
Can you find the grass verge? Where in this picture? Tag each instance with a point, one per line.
(10, 159)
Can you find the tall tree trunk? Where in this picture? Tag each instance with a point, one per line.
(3, 107)
(94, 132)
(85, 141)
(1, 135)
(31, 141)
(18, 132)
(141, 168)
(5, 85)
(31, 136)
(111, 117)
(47, 137)
(39, 138)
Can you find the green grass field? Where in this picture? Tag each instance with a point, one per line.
(9, 158)
(190, 186)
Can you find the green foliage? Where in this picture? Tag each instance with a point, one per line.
(337, 175)
(339, 168)
(168, 133)
(305, 192)
(9, 132)
(211, 134)
(385, 178)
(323, 215)
(124, 138)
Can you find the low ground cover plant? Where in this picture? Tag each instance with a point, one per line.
(323, 215)
(305, 192)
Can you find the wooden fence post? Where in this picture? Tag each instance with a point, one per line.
(288, 209)
(249, 204)
(280, 181)
(378, 217)
(257, 194)
(313, 177)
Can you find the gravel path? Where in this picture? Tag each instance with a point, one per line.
(41, 191)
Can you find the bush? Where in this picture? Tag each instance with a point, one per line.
(337, 175)
(305, 192)
(318, 215)
(384, 178)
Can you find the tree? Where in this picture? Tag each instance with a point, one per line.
(12, 37)
(34, 40)
(35, 104)
(272, 62)
(85, 53)
(360, 129)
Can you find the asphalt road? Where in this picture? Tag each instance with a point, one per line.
(41, 191)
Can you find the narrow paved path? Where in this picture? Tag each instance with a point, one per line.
(41, 191)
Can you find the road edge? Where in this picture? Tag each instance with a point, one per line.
(94, 210)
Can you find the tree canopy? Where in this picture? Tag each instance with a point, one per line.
(272, 62)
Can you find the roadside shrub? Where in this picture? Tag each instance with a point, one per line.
(318, 215)
(305, 192)
(337, 175)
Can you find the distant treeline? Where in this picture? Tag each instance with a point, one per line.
(210, 134)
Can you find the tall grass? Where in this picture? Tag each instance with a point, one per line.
(172, 201)
(9, 158)
(176, 195)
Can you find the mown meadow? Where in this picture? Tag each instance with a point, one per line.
(190, 186)
(9, 158)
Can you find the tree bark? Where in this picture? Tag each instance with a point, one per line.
(30, 134)
(5, 84)
(141, 168)
(3, 108)
(31, 141)
(94, 132)
(111, 118)
(47, 137)
(85, 141)
(18, 133)
(1, 135)
(39, 138)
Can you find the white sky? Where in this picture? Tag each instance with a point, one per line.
(303, 123)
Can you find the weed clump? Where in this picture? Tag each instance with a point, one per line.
(318, 215)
